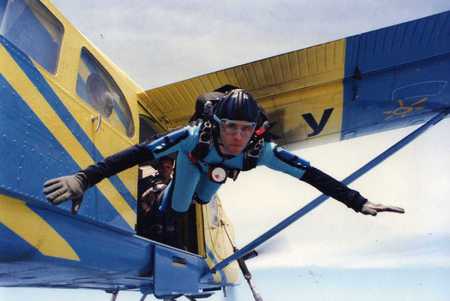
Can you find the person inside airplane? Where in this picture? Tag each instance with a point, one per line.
(232, 137)
(153, 225)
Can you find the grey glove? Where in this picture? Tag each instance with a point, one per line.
(61, 189)
(370, 208)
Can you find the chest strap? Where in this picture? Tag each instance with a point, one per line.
(253, 151)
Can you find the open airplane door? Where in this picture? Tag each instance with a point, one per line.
(219, 241)
(181, 272)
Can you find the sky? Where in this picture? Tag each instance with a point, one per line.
(332, 253)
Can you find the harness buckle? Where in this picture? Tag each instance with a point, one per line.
(219, 174)
(256, 149)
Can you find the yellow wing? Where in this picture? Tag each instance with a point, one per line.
(287, 86)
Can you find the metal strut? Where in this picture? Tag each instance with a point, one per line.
(319, 200)
(143, 297)
(114, 295)
(243, 266)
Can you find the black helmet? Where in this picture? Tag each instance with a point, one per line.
(238, 104)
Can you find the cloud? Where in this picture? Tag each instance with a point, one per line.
(333, 235)
(429, 251)
(158, 43)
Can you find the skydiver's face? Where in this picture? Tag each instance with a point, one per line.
(235, 135)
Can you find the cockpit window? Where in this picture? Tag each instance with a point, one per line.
(146, 129)
(2, 9)
(32, 28)
(98, 89)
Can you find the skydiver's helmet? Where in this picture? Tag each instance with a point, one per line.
(238, 104)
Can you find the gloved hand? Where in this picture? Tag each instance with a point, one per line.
(61, 189)
(370, 208)
(151, 195)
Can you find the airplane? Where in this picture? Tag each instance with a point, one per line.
(54, 122)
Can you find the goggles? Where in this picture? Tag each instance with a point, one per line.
(232, 127)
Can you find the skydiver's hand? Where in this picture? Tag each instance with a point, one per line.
(370, 208)
(61, 189)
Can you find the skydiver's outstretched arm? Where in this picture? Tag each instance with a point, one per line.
(351, 198)
(73, 186)
(282, 160)
(332, 187)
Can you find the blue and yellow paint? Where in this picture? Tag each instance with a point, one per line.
(379, 80)
(47, 130)
(34, 229)
(396, 76)
(55, 132)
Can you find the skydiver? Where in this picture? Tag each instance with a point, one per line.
(231, 137)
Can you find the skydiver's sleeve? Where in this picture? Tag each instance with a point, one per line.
(179, 140)
(332, 187)
(277, 158)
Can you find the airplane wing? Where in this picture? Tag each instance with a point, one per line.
(379, 80)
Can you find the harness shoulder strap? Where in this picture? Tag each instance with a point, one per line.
(201, 150)
(251, 155)
(255, 145)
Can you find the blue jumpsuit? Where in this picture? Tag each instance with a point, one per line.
(192, 179)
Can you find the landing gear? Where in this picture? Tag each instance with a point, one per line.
(190, 298)
(114, 294)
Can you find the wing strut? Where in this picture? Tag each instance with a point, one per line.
(319, 200)
(243, 266)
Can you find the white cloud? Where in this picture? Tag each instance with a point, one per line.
(332, 235)
(157, 43)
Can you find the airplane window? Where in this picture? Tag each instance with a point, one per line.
(33, 29)
(98, 89)
(146, 129)
(2, 9)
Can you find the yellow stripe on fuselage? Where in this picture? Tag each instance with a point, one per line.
(34, 229)
(38, 104)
